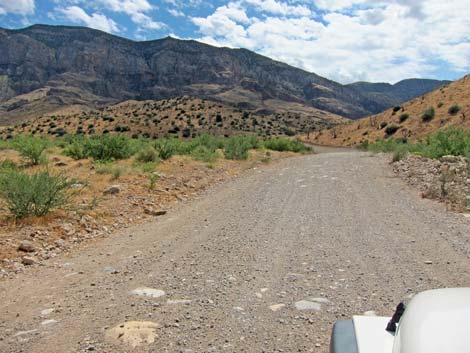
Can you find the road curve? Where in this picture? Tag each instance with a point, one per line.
(334, 234)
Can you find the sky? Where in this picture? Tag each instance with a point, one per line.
(343, 40)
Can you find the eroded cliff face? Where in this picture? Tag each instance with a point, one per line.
(115, 68)
(99, 67)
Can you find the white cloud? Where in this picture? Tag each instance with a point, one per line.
(98, 21)
(280, 8)
(20, 7)
(372, 40)
(176, 13)
(137, 10)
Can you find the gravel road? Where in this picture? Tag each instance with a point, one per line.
(263, 263)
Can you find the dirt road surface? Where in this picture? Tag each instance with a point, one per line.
(264, 263)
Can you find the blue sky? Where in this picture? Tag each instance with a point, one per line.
(344, 40)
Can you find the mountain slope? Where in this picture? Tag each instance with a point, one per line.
(182, 116)
(55, 66)
(413, 120)
(392, 95)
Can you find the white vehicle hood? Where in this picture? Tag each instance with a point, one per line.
(371, 336)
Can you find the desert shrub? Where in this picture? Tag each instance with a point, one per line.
(383, 124)
(285, 144)
(210, 141)
(404, 117)
(454, 109)
(237, 147)
(165, 149)
(204, 154)
(36, 194)
(7, 165)
(385, 145)
(153, 178)
(102, 148)
(288, 132)
(30, 148)
(108, 147)
(428, 115)
(4, 145)
(148, 154)
(75, 150)
(397, 108)
(451, 141)
(400, 152)
(364, 145)
(440, 104)
(391, 129)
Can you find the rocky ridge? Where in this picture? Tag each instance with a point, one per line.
(44, 68)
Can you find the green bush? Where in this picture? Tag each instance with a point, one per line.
(454, 109)
(30, 148)
(204, 154)
(428, 115)
(284, 145)
(391, 129)
(102, 148)
(399, 153)
(108, 147)
(385, 145)
(146, 155)
(8, 164)
(403, 117)
(36, 194)
(4, 145)
(237, 147)
(165, 149)
(75, 150)
(451, 141)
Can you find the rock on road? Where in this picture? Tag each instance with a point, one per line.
(263, 263)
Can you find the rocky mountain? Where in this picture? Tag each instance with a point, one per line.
(446, 106)
(392, 95)
(44, 68)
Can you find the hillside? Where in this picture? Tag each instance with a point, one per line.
(390, 95)
(182, 116)
(45, 68)
(412, 120)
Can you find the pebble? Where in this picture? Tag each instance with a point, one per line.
(152, 212)
(178, 301)
(307, 305)
(112, 190)
(26, 246)
(49, 322)
(109, 269)
(148, 292)
(28, 260)
(277, 307)
(133, 333)
(428, 262)
(47, 312)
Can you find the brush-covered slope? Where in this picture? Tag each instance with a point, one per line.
(182, 116)
(446, 106)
